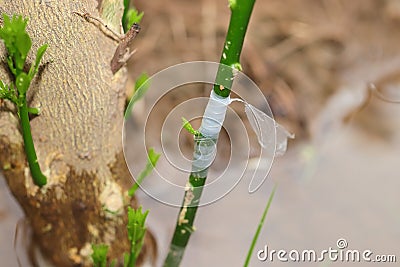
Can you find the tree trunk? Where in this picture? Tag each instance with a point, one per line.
(77, 135)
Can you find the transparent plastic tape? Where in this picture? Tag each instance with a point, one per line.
(211, 124)
(214, 115)
(268, 131)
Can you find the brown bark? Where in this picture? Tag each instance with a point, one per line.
(77, 135)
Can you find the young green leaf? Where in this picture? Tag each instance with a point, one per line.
(17, 41)
(34, 68)
(141, 80)
(188, 127)
(34, 111)
(232, 4)
(124, 15)
(151, 163)
(126, 259)
(136, 231)
(99, 255)
(130, 16)
(142, 84)
(8, 92)
(133, 16)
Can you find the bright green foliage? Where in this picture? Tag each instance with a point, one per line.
(8, 92)
(232, 4)
(34, 111)
(151, 163)
(141, 85)
(18, 43)
(130, 16)
(136, 231)
(34, 68)
(99, 255)
(141, 80)
(133, 17)
(186, 124)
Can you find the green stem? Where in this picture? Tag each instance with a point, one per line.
(184, 227)
(38, 177)
(260, 225)
(132, 260)
(240, 16)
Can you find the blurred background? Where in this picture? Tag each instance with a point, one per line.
(329, 69)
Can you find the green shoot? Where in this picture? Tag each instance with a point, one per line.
(99, 255)
(141, 80)
(8, 92)
(34, 111)
(260, 225)
(188, 127)
(34, 68)
(18, 44)
(136, 231)
(130, 16)
(151, 163)
(141, 85)
(232, 4)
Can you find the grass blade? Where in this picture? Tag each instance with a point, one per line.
(260, 225)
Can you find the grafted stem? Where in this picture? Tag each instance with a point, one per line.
(240, 15)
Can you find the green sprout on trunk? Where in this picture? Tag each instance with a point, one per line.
(136, 232)
(151, 163)
(18, 44)
(130, 16)
(188, 127)
(99, 256)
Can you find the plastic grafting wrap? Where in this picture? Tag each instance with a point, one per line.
(214, 115)
(204, 155)
(206, 146)
(265, 127)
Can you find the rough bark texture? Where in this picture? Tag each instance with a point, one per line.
(77, 135)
